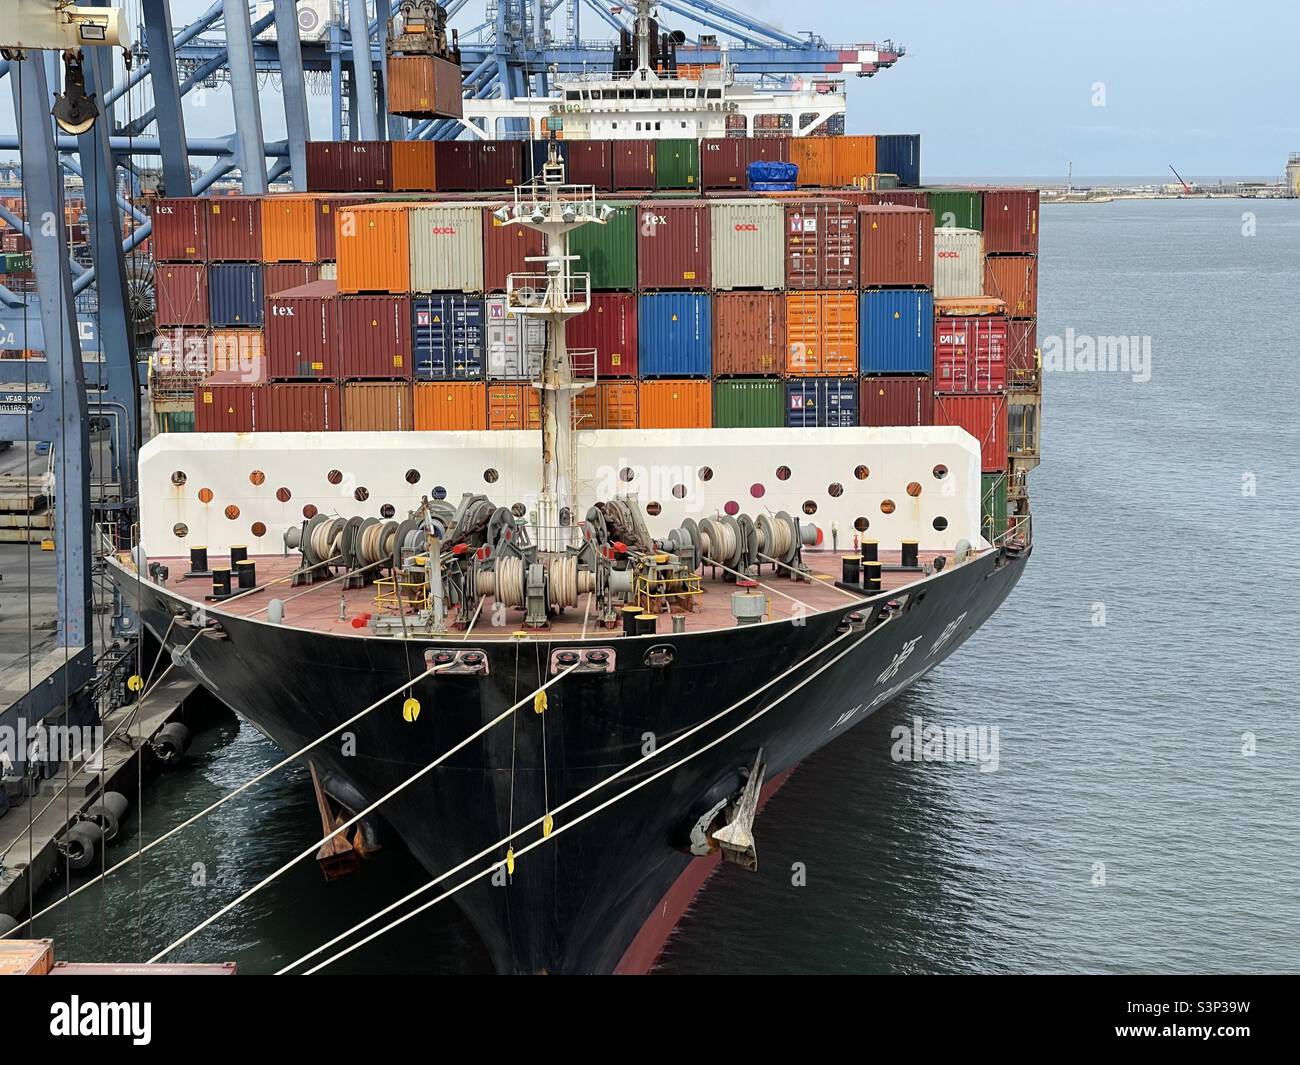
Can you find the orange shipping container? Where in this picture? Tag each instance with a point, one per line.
(812, 155)
(377, 407)
(610, 405)
(822, 334)
(831, 162)
(289, 229)
(422, 86)
(1014, 280)
(443, 405)
(26, 957)
(412, 166)
(676, 404)
(513, 405)
(237, 357)
(372, 248)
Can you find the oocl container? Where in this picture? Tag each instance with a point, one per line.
(675, 334)
(895, 247)
(302, 341)
(899, 154)
(447, 335)
(680, 404)
(423, 86)
(180, 230)
(289, 229)
(896, 331)
(235, 295)
(984, 417)
(673, 248)
(377, 407)
(749, 403)
(608, 252)
(349, 166)
(181, 294)
(634, 164)
(314, 408)
(414, 169)
(821, 334)
(473, 165)
(821, 402)
(516, 343)
(592, 163)
(373, 249)
(1011, 220)
(506, 248)
(609, 327)
(677, 163)
(512, 405)
(1014, 280)
(724, 161)
(958, 263)
(956, 208)
(374, 337)
(446, 248)
(896, 400)
(1022, 352)
(225, 408)
(821, 244)
(749, 334)
(450, 405)
(970, 353)
(234, 229)
(747, 242)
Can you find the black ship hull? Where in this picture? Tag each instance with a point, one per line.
(577, 902)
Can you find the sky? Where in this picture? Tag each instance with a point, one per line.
(1025, 88)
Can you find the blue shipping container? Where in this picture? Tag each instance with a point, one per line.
(235, 294)
(896, 331)
(820, 402)
(536, 154)
(900, 153)
(674, 333)
(447, 333)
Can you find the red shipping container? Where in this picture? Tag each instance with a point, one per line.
(180, 230)
(234, 229)
(673, 248)
(473, 165)
(821, 244)
(349, 166)
(314, 408)
(724, 161)
(970, 353)
(891, 399)
(225, 408)
(1014, 280)
(301, 328)
(895, 247)
(899, 197)
(609, 326)
(591, 163)
(634, 164)
(984, 417)
(505, 250)
(280, 277)
(326, 209)
(374, 338)
(1011, 220)
(180, 294)
(749, 334)
(1022, 352)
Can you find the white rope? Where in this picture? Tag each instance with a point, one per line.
(563, 806)
(836, 587)
(239, 790)
(358, 816)
(761, 584)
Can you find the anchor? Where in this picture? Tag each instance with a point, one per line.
(736, 837)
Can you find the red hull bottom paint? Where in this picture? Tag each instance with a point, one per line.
(644, 951)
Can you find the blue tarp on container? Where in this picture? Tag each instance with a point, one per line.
(235, 294)
(447, 333)
(765, 171)
(896, 331)
(813, 402)
(900, 153)
(675, 334)
(536, 153)
(772, 186)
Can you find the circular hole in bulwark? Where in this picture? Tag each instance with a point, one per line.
(809, 506)
(387, 510)
(257, 477)
(732, 507)
(653, 509)
(886, 506)
(913, 488)
(491, 476)
(861, 472)
(283, 495)
(232, 512)
(205, 495)
(940, 523)
(705, 473)
(861, 524)
(334, 477)
(757, 490)
(412, 476)
(783, 473)
(679, 491)
(179, 478)
(940, 472)
(180, 530)
(361, 494)
(835, 490)
(258, 529)
(309, 512)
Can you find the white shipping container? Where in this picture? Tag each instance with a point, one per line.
(516, 343)
(958, 263)
(748, 244)
(446, 242)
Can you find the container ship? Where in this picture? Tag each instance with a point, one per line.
(615, 471)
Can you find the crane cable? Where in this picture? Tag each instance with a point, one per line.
(549, 815)
(358, 816)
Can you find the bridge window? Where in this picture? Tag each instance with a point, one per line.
(570, 95)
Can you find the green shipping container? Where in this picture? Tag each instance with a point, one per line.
(608, 252)
(749, 403)
(957, 208)
(993, 505)
(176, 421)
(677, 164)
